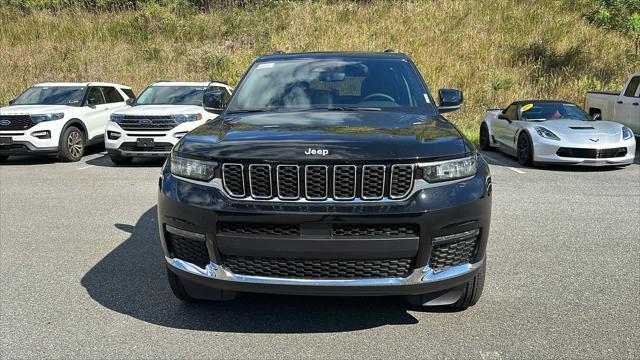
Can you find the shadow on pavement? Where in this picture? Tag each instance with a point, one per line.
(132, 280)
(44, 159)
(104, 161)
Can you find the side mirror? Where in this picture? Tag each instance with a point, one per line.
(92, 101)
(450, 100)
(213, 101)
(504, 117)
(130, 101)
(12, 101)
(596, 116)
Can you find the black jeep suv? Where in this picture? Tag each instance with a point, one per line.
(327, 174)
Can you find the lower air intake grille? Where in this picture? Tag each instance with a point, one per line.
(189, 250)
(240, 228)
(451, 254)
(366, 230)
(318, 269)
(157, 147)
(591, 153)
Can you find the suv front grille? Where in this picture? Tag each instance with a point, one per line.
(319, 268)
(592, 153)
(15, 122)
(145, 122)
(258, 229)
(318, 182)
(374, 230)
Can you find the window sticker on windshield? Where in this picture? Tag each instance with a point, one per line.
(265, 66)
(526, 107)
(426, 98)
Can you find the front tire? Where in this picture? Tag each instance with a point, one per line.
(72, 144)
(472, 291)
(120, 160)
(194, 293)
(525, 150)
(485, 141)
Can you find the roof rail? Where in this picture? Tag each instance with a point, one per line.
(393, 51)
(163, 81)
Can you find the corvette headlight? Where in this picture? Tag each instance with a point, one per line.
(116, 118)
(38, 118)
(626, 133)
(546, 133)
(450, 169)
(187, 117)
(192, 169)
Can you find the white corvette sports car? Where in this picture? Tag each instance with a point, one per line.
(544, 131)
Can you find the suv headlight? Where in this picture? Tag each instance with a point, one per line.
(192, 169)
(116, 118)
(626, 133)
(38, 118)
(186, 117)
(450, 169)
(546, 133)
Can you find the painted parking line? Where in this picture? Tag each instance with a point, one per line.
(86, 167)
(500, 162)
(516, 170)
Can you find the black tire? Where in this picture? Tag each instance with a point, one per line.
(485, 142)
(177, 288)
(524, 151)
(120, 160)
(3, 158)
(472, 291)
(72, 145)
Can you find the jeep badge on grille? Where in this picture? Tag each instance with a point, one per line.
(323, 152)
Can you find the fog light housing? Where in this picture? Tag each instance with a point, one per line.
(42, 134)
(456, 237)
(113, 135)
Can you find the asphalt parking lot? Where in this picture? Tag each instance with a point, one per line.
(82, 276)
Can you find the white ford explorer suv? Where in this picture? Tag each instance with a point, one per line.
(163, 113)
(59, 119)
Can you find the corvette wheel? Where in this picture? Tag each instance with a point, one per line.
(485, 143)
(525, 150)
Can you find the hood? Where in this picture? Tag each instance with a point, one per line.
(34, 109)
(321, 136)
(578, 131)
(154, 110)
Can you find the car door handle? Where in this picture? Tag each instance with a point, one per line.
(620, 102)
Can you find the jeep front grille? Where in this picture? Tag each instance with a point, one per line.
(318, 182)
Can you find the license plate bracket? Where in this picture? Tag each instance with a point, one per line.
(145, 143)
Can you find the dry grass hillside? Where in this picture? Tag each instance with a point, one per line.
(495, 51)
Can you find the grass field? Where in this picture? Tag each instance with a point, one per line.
(495, 51)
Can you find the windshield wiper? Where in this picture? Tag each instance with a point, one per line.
(342, 108)
(243, 111)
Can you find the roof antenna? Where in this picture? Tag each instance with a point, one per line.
(278, 52)
(390, 51)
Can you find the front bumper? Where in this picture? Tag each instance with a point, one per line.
(23, 143)
(121, 145)
(545, 151)
(439, 210)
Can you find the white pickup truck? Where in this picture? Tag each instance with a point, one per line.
(622, 107)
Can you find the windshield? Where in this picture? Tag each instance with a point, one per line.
(339, 84)
(172, 95)
(51, 95)
(552, 111)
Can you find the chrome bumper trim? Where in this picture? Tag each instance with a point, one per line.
(418, 276)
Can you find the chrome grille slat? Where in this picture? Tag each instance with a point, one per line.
(373, 181)
(260, 181)
(233, 179)
(318, 182)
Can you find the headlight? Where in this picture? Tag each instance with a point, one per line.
(626, 133)
(116, 118)
(38, 118)
(192, 169)
(546, 133)
(450, 169)
(186, 117)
